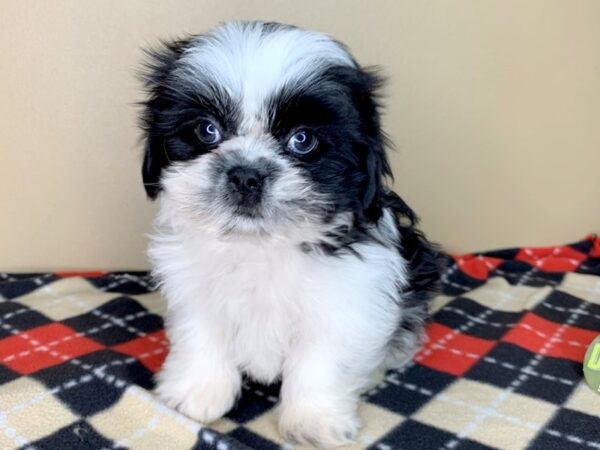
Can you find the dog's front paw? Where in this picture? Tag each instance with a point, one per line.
(203, 400)
(318, 424)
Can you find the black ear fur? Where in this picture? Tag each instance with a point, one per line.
(155, 75)
(367, 100)
(154, 161)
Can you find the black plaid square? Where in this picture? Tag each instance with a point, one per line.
(416, 435)
(256, 399)
(506, 253)
(590, 267)
(119, 320)
(14, 315)
(78, 435)
(551, 379)
(7, 374)
(252, 440)
(86, 385)
(519, 272)
(211, 440)
(130, 283)
(457, 282)
(118, 366)
(404, 393)
(561, 307)
(17, 285)
(482, 322)
(569, 429)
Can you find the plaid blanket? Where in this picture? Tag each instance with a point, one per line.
(502, 367)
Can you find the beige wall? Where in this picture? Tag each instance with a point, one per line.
(494, 107)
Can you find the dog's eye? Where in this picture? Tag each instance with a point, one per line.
(207, 132)
(302, 142)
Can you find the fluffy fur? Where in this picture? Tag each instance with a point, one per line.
(275, 263)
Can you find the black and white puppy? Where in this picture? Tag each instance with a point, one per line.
(280, 252)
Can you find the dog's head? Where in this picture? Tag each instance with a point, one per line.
(261, 128)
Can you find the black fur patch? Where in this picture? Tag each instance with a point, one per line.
(341, 108)
(173, 110)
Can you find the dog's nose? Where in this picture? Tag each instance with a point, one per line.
(245, 179)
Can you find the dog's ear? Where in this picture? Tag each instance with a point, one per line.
(374, 159)
(155, 75)
(155, 160)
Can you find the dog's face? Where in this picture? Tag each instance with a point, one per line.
(260, 128)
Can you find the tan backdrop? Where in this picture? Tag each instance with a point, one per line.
(494, 107)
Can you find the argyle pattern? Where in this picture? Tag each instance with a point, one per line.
(501, 367)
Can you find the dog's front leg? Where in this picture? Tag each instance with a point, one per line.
(323, 377)
(198, 377)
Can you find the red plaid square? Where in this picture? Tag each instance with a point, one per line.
(80, 274)
(478, 267)
(450, 351)
(550, 338)
(595, 251)
(42, 347)
(552, 259)
(151, 349)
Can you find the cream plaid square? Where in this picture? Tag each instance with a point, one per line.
(139, 422)
(377, 423)
(153, 302)
(28, 409)
(500, 295)
(223, 425)
(585, 287)
(66, 298)
(492, 416)
(585, 400)
(439, 302)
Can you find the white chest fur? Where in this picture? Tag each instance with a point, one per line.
(258, 299)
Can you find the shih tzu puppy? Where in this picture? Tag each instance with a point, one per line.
(280, 251)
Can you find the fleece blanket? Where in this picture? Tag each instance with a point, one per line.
(502, 367)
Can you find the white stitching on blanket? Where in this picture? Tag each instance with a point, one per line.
(446, 278)
(541, 280)
(56, 301)
(572, 310)
(476, 318)
(121, 279)
(552, 337)
(7, 277)
(15, 313)
(533, 373)
(259, 393)
(392, 378)
(10, 432)
(150, 425)
(571, 438)
(118, 321)
(455, 351)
